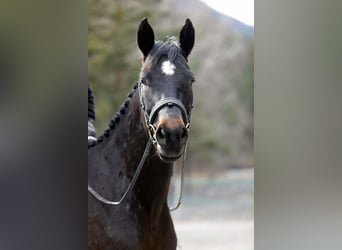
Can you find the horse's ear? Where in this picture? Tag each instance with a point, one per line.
(187, 38)
(145, 37)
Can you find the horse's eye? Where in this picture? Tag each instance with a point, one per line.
(143, 81)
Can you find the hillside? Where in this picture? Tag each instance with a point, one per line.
(222, 60)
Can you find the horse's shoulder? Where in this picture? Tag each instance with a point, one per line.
(104, 234)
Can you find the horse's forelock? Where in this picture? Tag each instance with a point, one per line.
(169, 48)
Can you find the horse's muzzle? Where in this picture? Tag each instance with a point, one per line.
(171, 137)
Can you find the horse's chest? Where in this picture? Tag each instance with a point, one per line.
(123, 230)
(112, 229)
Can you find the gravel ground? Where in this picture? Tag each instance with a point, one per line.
(215, 235)
(216, 214)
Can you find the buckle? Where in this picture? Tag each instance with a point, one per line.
(152, 132)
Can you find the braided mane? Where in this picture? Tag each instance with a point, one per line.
(116, 118)
(91, 105)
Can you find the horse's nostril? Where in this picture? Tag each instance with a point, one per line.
(166, 135)
(161, 133)
(184, 133)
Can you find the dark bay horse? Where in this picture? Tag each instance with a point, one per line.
(148, 134)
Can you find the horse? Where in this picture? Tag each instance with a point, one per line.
(132, 161)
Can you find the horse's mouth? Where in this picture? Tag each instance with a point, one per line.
(168, 159)
(169, 155)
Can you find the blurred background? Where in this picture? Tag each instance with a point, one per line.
(217, 210)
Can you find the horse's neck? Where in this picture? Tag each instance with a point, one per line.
(128, 143)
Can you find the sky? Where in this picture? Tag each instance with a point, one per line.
(242, 10)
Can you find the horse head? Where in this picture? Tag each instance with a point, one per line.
(165, 89)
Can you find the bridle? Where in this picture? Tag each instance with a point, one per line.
(149, 118)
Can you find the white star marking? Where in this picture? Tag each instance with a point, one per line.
(168, 68)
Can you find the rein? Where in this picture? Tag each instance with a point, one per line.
(149, 118)
(131, 184)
